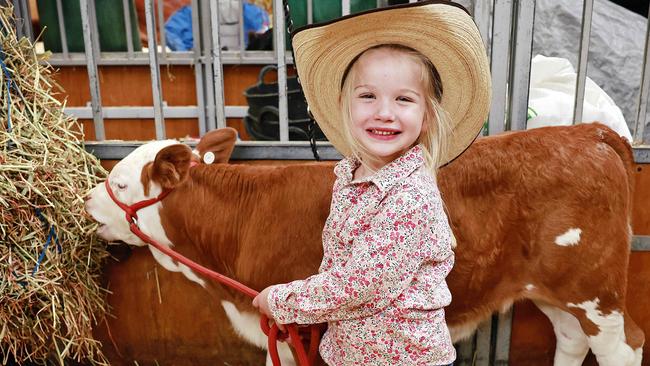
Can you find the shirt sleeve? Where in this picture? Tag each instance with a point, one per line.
(383, 263)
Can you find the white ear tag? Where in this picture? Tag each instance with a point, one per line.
(208, 158)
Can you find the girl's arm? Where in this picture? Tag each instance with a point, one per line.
(383, 263)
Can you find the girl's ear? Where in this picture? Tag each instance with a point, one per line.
(425, 126)
(426, 121)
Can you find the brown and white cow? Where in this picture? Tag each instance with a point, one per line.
(541, 215)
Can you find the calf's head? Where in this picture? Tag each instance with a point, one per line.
(144, 174)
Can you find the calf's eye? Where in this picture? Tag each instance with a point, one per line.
(121, 186)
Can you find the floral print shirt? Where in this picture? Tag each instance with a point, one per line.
(381, 285)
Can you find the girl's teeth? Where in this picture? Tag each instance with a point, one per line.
(385, 133)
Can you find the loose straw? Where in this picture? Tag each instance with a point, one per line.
(50, 262)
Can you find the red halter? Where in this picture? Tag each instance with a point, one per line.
(271, 332)
(132, 211)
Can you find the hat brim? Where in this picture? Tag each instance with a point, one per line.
(441, 31)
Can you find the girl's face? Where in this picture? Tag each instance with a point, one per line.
(388, 104)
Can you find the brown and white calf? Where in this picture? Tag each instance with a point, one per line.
(541, 215)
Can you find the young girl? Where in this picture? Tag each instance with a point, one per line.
(399, 91)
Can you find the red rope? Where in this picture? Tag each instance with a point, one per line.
(272, 332)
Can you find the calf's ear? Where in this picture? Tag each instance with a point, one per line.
(219, 142)
(171, 166)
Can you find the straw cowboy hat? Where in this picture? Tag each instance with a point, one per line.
(440, 30)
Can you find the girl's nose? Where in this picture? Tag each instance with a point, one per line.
(385, 111)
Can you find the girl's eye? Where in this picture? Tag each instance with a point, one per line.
(366, 96)
(404, 99)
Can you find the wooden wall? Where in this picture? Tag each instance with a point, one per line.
(131, 86)
(194, 337)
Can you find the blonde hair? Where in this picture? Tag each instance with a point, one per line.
(434, 138)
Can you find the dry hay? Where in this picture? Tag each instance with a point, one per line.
(49, 305)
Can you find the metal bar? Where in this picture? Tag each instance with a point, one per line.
(520, 72)
(465, 356)
(198, 69)
(23, 20)
(95, 30)
(217, 68)
(126, 6)
(196, 30)
(64, 37)
(499, 65)
(482, 18)
(278, 34)
(156, 89)
(242, 43)
(91, 66)
(29, 30)
(174, 58)
(144, 112)
(483, 337)
(200, 98)
(345, 7)
(244, 150)
(236, 111)
(643, 93)
(642, 154)
(641, 243)
(161, 28)
(105, 152)
(310, 12)
(581, 79)
(282, 151)
(504, 332)
(206, 36)
(20, 28)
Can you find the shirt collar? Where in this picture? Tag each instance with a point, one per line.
(388, 175)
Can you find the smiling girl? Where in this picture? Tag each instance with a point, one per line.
(399, 91)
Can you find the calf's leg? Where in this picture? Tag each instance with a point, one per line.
(247, 325)
(635, 338)
(572, 345)
(606, 335)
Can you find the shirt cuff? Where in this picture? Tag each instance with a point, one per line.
(277, 298)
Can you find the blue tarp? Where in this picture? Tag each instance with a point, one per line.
(178, 29)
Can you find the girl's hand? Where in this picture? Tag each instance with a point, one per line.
(261, 302)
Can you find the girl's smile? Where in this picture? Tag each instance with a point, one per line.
(385, 134)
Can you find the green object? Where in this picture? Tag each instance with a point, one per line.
(110, 23)
(322, 11)
(329, 9)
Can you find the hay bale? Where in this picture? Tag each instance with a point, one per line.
(50, 262)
